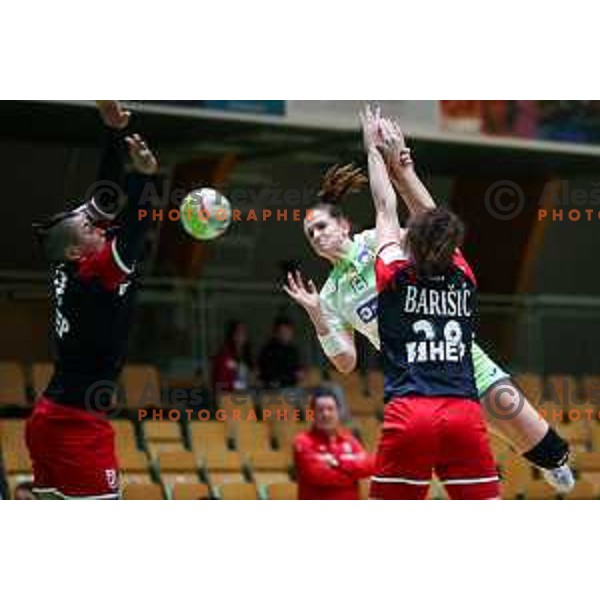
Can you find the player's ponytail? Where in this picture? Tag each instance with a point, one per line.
(338, 182)
(432, 238)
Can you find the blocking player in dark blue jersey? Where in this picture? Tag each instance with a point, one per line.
(426, 306)
(92, 291)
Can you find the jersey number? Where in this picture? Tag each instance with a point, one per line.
(450, 349)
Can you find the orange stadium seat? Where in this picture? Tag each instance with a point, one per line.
(178, 467)
(162, 436)
(269, 467)
(141, 384)
(40, 376)
(282, 491)
(238, 491)
(143, 491)
(190, 491)
(12, 385)
(223, 467)
(208, 436)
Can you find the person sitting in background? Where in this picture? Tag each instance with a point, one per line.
(279, 362)
(329, 460)
(24, 491)
(232, 366)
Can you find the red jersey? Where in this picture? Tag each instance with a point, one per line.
(318, 478)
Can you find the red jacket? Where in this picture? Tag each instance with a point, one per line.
(319, 480)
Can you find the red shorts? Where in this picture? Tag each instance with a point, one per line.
(445, 435)
(72, 452)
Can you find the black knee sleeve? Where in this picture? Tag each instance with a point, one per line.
(550, 452)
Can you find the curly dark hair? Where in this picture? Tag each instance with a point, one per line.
(337, 183)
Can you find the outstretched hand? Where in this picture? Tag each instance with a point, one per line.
(113, 115)
(393, 148)
(306, 295)
(370, 121)
(141, 156)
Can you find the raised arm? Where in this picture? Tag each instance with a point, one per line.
(130, 238)
(401, 168)
(387, 225)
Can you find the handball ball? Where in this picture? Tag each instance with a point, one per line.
(205, 214)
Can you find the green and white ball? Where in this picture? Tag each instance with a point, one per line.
(205, 214)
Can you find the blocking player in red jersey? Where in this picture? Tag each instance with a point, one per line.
(92, 288)
(426, 304)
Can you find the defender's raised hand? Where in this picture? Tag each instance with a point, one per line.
(113, 115)
(141, 156)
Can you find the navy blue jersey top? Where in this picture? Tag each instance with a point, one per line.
(426, 327)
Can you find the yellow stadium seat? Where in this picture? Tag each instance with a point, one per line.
(236, 406)
(532, 386)
(125, 440)
(238, 491)
(250, 436)
(269, 467)
(223, 467)
(143, 491)
(285, 432)
(208, 436)
(162, 436)
(190, 491)
(370, 432)
(577, 433)
(361, 405)
(12, 436)
(517, 474)
(12, 385)
(134, 467)
(178, 467)
(141, 384)
(561, 388)
(283, 491)
(583, 490)
(40, 376)
(540, 490)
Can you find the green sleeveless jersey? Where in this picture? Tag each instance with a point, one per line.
(349, 303)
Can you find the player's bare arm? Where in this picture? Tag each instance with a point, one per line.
(338, 346)
(387, 225)
(401, 167)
